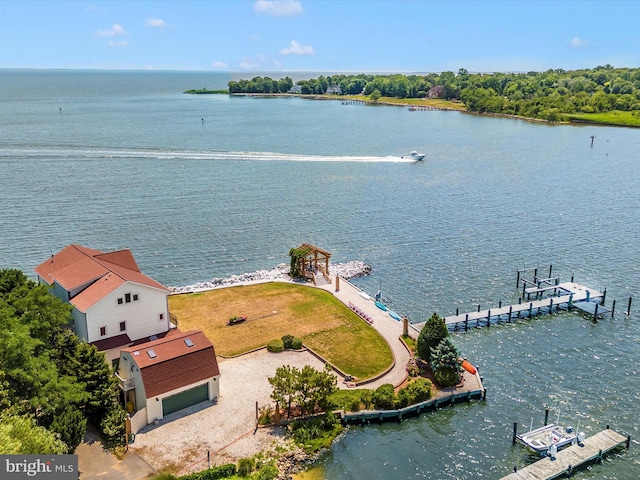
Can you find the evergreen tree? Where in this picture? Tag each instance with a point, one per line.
(433, 332)
(445, 364)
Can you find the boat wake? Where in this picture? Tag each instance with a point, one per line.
(167, 154)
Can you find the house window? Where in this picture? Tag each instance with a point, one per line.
(123, 326)
(127, 297)
(135, 297)
(120, 301)
(161, 317)
(103, 331)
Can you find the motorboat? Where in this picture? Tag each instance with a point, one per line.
(542, 439)
(415, 156)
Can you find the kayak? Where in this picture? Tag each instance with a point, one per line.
(394, 315)
(381, 306)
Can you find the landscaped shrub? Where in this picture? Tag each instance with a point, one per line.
(366, 398)
(296, 343)
(113, 426)
(286, 340)
(447, 377)
(275, 346)
(268, 472)
(384, 397)
(419, 390)
(215, 473)
(265, 416)
(246, 466)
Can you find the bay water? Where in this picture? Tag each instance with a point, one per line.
(203, 186)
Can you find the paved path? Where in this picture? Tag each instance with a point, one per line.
(389, 328)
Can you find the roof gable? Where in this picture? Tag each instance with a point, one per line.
(76, 266)
(170, 363)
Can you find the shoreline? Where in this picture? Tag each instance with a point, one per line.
(347, 270)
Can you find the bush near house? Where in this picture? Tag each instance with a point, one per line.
(275, 346)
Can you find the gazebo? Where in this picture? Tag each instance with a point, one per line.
(314, 261)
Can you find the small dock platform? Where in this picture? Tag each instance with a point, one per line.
(572, 458)
(540, 296)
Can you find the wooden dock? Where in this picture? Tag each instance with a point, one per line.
(571, 458)
(563, 297)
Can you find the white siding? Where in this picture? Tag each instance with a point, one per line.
(142, 317)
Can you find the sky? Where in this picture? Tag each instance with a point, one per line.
(320, 35)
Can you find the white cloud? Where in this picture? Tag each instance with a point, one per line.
(115, 30)
(222, 65)
(248, 64)
(117, 44)
(295, 48)
(156, 23)
(577, 42)
(278, 8)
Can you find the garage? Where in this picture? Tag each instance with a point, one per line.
(185, 399)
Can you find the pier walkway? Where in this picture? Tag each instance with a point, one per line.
(568, 295)
(568, 459)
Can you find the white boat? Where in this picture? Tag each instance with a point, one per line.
(416, 156)
(541, 439)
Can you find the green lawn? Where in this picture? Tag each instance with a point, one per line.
(615, 117)
(275, 309)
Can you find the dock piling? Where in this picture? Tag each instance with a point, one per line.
(613, 307)
(546, 416)
(515, 432)
(629, 307)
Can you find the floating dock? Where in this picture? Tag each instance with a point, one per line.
(572, 458)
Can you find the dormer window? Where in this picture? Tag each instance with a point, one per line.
(127, 298)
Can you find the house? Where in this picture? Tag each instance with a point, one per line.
(114, 303)
(334, 90)
(295, 89)
(166, 375)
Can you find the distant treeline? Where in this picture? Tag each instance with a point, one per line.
(552, 95)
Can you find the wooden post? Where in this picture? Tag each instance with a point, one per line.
(518, 279)
(535, 274)
(209, 458)
(515, 433)
(628, 441)
(613, 307)
(604, 295)
(478, 307)
(510, 310)
(489, 318)
(530, 308)
(466, 322)
(405, 326)
(337, 283)
(569, 470)
(551, 305)
(550, 269)
(546, 416)
(571, 278)
(595, 312)
(500, 304)
(629, 307)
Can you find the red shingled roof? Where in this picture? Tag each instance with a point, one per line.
(76, 266)
(175, 365)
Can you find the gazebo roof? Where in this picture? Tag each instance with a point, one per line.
(313, 248)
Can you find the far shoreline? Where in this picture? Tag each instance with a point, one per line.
(424, 104)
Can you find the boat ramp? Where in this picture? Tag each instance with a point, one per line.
(564, 462)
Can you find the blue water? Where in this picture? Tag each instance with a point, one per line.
(209, 186)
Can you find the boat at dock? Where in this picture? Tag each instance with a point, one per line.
(381, 306)
(394, 315)
(542, 439)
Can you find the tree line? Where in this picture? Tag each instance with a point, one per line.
(51, 383)
(547, 95)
